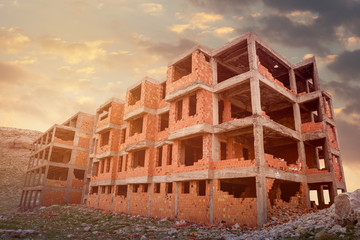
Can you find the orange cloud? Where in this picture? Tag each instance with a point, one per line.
(12, 40)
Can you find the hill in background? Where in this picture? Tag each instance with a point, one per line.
(15, 150)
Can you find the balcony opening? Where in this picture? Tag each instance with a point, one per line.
(156, 187)
(145, 187)
(239, 187)
(320, 195)
(315, 154)
(139, 159)
(109, 189)
(136, 126)
(191, 150)
(283, 190)
(192, 105)
(202, 188)
(95, 169)
(186, 187)
(309, 114)
(120, 163)
(135, 187)
(179, 106)
(164, 121)
(169, 188)
(232, 61)
(159, 157)
(79, 174)
(123, 136)
(182, 68)
(64, 136)
(102, 165)
(276, 107)
(305, 78)
(135, 95)
(121, 190)
(272, 67)
(169, 156)
(221, 111)
(245, 153)
(58, 174)
(222, 150)
(104, 112)
(104, 138)
(108, 164)
(94, 190)
(163, 90)
(60, 155)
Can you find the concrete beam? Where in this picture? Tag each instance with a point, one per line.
(194, 130)
(186, 90)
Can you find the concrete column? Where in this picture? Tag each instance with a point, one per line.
(176, 199)
(128, 199)
(112, 198)
(29, 200)
(292, 79)
(307, 192)
(211, 201)
(261, 195)
(320, 193)
(252, 53)
(149, 200)
(255, 96)
(214, 70)
(315, 77)
(332, 192)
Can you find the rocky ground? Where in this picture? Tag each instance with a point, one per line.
(79, 222)
(15, 148)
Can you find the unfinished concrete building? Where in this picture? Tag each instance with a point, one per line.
(232, 134)
(58, 164)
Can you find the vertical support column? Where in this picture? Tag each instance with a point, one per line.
(292, 80)
(112, 198)
(149, 200)
(332, 192)
(252, 53)
(255, 96)
(261, 195)
(68, 184)
(211, 201)
(315, 76)
(176, 199)
(320, 193)
(46, 172)
(128, 200)
(213, 63)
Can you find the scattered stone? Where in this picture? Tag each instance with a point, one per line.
(347, 208)
(172, 231)
(86, 229)
(181, 222)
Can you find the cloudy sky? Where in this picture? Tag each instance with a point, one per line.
(59, 57)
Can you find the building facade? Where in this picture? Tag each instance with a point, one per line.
(231, 135)
(58, 164)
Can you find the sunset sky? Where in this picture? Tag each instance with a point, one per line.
(61, 57)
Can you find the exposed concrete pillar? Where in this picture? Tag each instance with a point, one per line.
(315, 77)
(176, 199)
(307, 192)
(112, 198)
(261, 194)
(213, 63)
(128, 199)
(332, 192)
(255, 96)
(149, 200)
(320, 193)
(292, 79)
(211, 201)
(252, 53)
